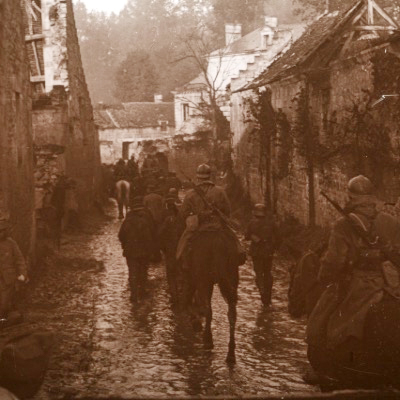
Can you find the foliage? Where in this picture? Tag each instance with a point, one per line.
(136, 78)
(158, 26)
(97, 50)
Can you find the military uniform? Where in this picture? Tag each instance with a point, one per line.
(263, 235)
(136, 238)
(169, 234)
(12, 265)
(154, 203)
(353, 273)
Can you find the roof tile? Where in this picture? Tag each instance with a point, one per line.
(135, 115)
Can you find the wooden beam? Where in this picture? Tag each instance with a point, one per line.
(37, 79)
(382, 13)
(30, 9)
(370, 13)
(31, 38)
(373, 28)
(36, 6)
(347, 43)
(37, 62)
(360, 15)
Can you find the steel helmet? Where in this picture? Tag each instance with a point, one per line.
(203, 171)
(360, 185)
(259, 210)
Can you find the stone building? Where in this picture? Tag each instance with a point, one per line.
(64, 133)
(124, 129)
(326, 110)
(239, 62)
(16, 155)
(143, 129)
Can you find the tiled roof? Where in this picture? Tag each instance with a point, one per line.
(319, 32)
(134, 115)
(196, 84)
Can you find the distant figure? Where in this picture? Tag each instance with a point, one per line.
(12, 268)
(132, 168)
(136, 239)
(173, 181)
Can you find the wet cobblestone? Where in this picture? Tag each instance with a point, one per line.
(107, 346)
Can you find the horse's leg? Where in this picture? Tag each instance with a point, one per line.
(231, 358)
(120, 209)
(208, 340)
(228, 289)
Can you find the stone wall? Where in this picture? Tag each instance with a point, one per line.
(16, 156)
(191, 120)
(112, 141)
(183, 153)
(353, 137)
(63, 116)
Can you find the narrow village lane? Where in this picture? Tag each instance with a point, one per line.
(107, 346)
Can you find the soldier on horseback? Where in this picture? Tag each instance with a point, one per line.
(120, 170)
(210, 253)
(197, 213)
(359, 271)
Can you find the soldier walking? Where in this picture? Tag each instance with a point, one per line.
(136, 239)
(262, 233)
(12, 268)
(169, 234)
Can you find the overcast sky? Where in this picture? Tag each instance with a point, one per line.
(105, 5)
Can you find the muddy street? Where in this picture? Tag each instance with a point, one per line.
(107, 346)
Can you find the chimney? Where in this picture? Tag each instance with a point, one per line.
(271, 22)
(233, 32)
(158, 98)
(268, 32)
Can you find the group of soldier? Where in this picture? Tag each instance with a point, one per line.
(358, 268)
(157, 223)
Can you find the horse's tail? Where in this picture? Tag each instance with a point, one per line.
(126, 192)
(123, 190)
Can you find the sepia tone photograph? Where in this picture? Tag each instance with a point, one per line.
(199, 199)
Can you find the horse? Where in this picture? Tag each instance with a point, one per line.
(369, 362)
(122, 189)
(212, 261)
(304, 287)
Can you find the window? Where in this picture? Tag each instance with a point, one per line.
(164, 126)
(266, 40)
(185, 111)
